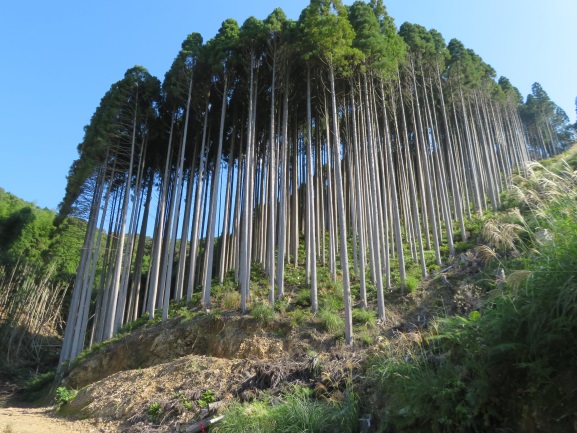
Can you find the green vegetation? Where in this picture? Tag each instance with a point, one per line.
(512, 364)
(263, 313)
(63, 395)
(206, 398)
(37, 264)
(297, 412)
(155, 413)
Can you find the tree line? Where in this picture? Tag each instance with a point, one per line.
(372, 145)
(37, 263)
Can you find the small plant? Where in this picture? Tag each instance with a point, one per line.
(298, 316)
(155, 413)
(263, 313)
(332, 322)
(364, 317)
(230, 301)
(64, 395)
(207, 398)
(186, 402)
(411, 283)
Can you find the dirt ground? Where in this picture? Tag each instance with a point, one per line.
(44, 420)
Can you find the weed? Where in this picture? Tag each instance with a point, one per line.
(207, 398)
(230, 301)
(331, 322)
(364, 317)
(263, 313)
(155, 413)
(64, 395)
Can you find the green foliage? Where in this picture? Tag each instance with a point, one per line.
(207, 398)
(63, 395)
(263, 313)
(297, 412)
(134, 325)
(155, 413)
(366, 318)
(461, 247)
(331, 322)
(39, 381)
(503, 367)
(327, 34)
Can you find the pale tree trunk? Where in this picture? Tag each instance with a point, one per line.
(213, 203)
(341, 215)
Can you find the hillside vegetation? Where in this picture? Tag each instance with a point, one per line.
(38, 262)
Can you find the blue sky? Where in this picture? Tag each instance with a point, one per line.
(58, 58)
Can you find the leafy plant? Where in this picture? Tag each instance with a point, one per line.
(207, 398)
(155, 413)
(64, 395)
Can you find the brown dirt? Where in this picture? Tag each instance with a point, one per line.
(45, 420)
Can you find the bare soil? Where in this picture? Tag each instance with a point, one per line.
(45, 420)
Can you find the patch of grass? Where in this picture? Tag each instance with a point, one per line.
(331, 301)
(366, 318)
(303, 298)
(461, 247)
(230, 301)
(512, 363)
(297, 412)
(39, 381)
(331, 322)
(411, 283)
(299, 316)
(263, 313)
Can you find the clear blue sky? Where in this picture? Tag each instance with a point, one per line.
(59, 57)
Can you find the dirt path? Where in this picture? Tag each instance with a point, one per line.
(43, 420)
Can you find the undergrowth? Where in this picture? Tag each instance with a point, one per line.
(297, 411)
(510, 365)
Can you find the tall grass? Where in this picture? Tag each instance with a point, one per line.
(512, 365)
(297, 412)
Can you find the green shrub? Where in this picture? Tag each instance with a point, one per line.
(64, 395)
(39, 381)
(263, 313)
(510, 366)
(411, 283)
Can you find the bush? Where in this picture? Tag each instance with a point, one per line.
(263, 313)
(64, 395)
(230, 301)
(364, 317)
